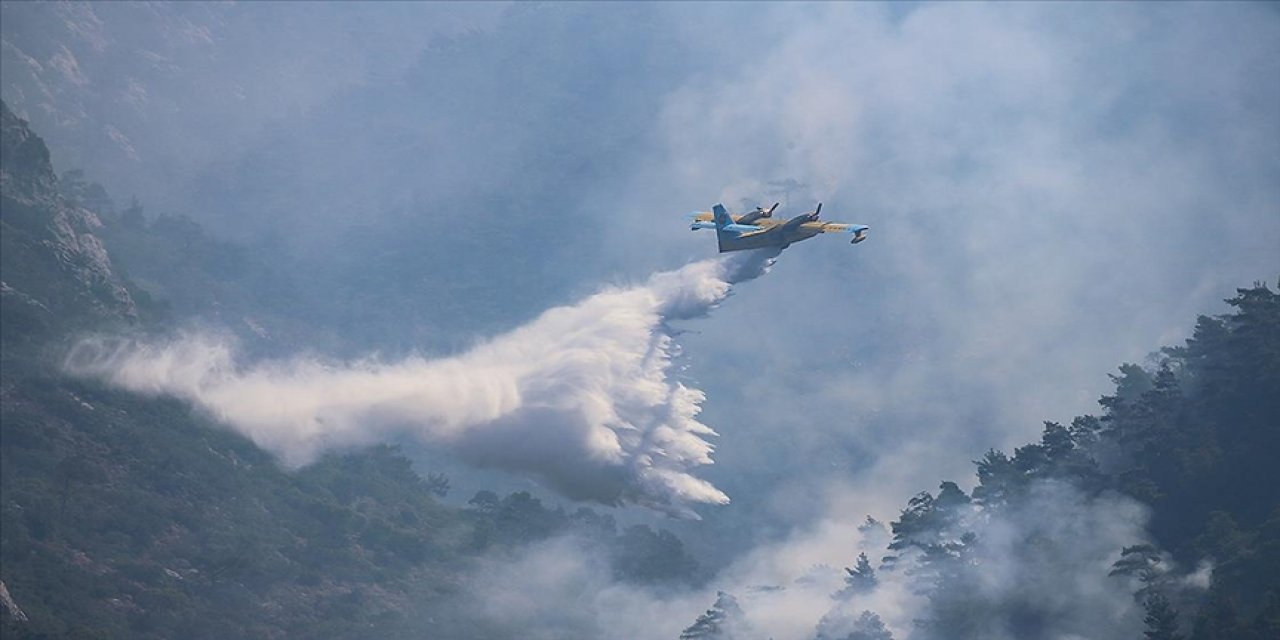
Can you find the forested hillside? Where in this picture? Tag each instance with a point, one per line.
(132, 517)
(1187, 446)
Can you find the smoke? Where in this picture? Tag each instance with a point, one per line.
(1040, 568)
(581, 398)
(560, 588)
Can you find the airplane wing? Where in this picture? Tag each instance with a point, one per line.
(753, 230)
(859, 231)
(840, 227)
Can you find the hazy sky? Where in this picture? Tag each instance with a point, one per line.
(1053, 189)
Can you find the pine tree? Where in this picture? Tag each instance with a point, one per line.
(998, 479)
(840, 624)
(1161, 619)
(1141, 561)
(723, 621)
(861, 578)
(869, 627)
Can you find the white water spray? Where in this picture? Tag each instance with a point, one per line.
(581, 398)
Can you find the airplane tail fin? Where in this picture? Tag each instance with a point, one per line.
(721, 216)
(726, 230)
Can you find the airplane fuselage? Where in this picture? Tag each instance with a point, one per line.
(775, 234)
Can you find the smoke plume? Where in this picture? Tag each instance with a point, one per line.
(581, 398)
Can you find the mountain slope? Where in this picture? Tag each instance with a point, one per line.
(56, 270)
(128, 516)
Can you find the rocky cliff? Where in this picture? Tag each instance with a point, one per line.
(55, 270)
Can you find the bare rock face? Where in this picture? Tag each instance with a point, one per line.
(10, 607)
(52, 257)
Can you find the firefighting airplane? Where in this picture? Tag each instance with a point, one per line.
(758, 228)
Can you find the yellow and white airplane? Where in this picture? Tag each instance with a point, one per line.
(758, 228)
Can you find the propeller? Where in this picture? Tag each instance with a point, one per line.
(769, 212)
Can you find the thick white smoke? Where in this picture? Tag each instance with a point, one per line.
(580, 398)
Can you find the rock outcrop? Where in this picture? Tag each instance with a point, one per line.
(53, 263)
(10, 607)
